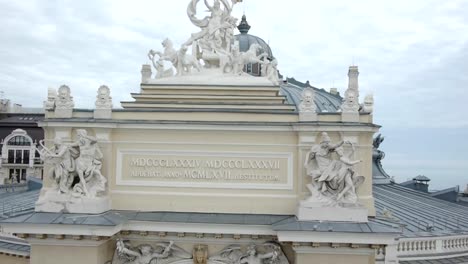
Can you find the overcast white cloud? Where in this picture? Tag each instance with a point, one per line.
(413, 55)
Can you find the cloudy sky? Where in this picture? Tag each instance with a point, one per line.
(412, 55)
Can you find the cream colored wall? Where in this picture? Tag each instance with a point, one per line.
(218, 138)
(334, 259)
(4, 259)
(203, 199)
(41, 254)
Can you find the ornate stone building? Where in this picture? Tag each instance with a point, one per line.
(209, 164)
(19, 135)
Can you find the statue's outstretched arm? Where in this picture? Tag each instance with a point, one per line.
(266, 255)
(349, 162)
(333, 147)
(208, 6)
(121, 247)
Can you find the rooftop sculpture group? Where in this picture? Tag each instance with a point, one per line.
(213, 45)
(334, 180)
(75, 169)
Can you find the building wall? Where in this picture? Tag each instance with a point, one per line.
(4, 259)
(78, 254)
(265, 138)
(334, 259)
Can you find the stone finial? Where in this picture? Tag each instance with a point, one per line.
(307, 101)
(64, 103)
(351, 98)
(64, 100)
(353, 74)
(244, 26)
(49, 104)
(350, 106)
(307, 108)
(368, 105)
(103, 103)
(145, 73)
(103, 98)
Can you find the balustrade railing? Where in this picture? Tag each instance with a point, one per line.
(421, 246)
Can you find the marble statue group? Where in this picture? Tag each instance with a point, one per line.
(334, 179)
(167, 252)
(214, 45)
(76, 166)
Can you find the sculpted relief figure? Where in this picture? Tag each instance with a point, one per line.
(213, 42)
(88, 166)
(334, 180)
(272, 71)
(167, 253)
(181, 61)
(103, 98)
(229, 255)
(63, 164)
(307, 101)
(368, 104)
(158, 64)
(212, 45)
(64, 100)
(350, 102)
(76, 167)
(200, 254)
(253, 257)
(163, 252)
(267, 253)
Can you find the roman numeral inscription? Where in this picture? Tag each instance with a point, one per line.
(223, 168)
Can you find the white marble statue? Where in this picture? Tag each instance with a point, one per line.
(62, 161)
(169, 53)
(272, 71)
(350, 102)
(250, 56)
(368, 105)
(163, 252)
(212, 52)
(103, 98)
(181, 61)
(168, 253)
(307, 101)
(236, 64)
(51, 96)
(88, 166)
(186, 62)
(228, 255)
(334, 180)
(64, 100)
(75, 168)
(158, 64)
(213, 42)
(253, 257)
(269, 252)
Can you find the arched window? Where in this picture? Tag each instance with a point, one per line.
(19, 141)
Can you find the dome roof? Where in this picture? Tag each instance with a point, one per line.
(324, 101)
(245, 39)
